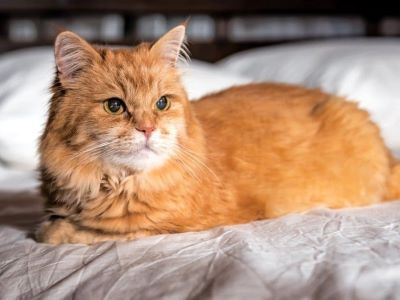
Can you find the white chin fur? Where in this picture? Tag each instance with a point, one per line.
(160, 148)
(143, 160)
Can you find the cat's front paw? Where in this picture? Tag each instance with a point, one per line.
(63, 231)
(56, 232)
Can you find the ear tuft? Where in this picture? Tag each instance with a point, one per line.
(171, 46)
(72, 54)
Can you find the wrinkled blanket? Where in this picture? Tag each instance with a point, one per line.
(322, 254)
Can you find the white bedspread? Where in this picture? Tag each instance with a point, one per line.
(324, 254)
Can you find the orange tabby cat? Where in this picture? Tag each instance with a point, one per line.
(124, 154)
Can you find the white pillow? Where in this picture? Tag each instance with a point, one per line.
(25, 78)
(363, 70)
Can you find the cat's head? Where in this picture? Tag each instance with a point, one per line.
(119, 107)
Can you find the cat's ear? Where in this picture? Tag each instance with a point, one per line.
(72, 54)
(171, 46)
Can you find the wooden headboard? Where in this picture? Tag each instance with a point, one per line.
(220, 11)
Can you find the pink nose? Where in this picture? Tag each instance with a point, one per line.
(147, 130)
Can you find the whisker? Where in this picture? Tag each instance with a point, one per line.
(92, 150)
(197, 159)
(186, 168)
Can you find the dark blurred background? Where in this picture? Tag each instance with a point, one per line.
(217, 28)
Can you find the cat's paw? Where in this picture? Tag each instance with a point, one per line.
(62, 231)
(56, 232)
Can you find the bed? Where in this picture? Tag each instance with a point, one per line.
(320, 254)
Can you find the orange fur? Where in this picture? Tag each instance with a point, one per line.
(250, 152)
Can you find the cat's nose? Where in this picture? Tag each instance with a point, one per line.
(147, 130)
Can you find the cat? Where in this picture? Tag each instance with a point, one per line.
(124, 153)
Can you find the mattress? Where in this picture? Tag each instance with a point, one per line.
(320, 254)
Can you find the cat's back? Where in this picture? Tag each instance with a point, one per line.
(255, 113)
(253, 110)
(274, 139)
(263, 100)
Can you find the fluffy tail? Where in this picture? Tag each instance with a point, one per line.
(393, 187)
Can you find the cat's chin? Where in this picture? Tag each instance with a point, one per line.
(143, 160)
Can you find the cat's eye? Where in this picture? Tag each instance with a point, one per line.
(163, 103)
(114, 106)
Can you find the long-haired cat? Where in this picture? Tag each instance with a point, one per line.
(125, 154)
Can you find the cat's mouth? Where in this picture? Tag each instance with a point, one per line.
(137, 150)
(147, 148)
(141, 154)
(145, 151)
